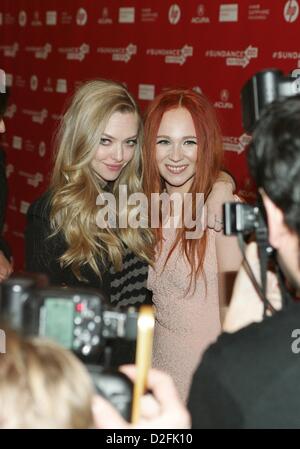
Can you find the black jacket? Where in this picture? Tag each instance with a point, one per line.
(127, 287)
(42, 253)
(250, 379)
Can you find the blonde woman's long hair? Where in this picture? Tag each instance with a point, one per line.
(75, 186)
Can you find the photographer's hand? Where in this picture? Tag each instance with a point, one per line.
(161, 410)
(246, 306)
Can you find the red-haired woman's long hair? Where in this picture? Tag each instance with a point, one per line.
(209, 160)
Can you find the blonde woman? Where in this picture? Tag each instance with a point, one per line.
(98, 150)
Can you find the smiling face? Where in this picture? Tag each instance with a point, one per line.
(117, 145)
(176, 150)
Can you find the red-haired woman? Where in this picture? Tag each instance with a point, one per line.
(183, 154)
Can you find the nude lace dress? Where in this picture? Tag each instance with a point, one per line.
(186, 323)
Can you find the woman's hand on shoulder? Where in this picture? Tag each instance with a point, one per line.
(221, 192)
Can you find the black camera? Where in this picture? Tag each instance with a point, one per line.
(242, 218)
(263, 88)
(80, 320)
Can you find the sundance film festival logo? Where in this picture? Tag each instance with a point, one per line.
(123, 54)
(75, 53)
(40, 52)
(33, 180)
(172, 56)
(174, 14)
(283, 54)
(169, 211)
(236, 144)
(234, 57)
(291, 11)
(10, 51)
(37, 116)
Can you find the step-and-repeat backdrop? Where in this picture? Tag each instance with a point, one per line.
(47, 47)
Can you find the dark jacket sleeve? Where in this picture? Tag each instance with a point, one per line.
(211, 404)
(41, 250)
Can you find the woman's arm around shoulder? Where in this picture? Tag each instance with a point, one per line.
(229, 259)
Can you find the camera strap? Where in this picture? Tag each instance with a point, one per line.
(264, 251)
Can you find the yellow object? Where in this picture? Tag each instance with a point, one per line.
(143, 357)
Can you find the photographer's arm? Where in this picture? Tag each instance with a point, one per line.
(221, 192)
(163, 410)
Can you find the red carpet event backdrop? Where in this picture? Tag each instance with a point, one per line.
(47, 47)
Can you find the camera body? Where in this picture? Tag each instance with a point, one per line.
(242, 218)
(263, 88)
(80, 320)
